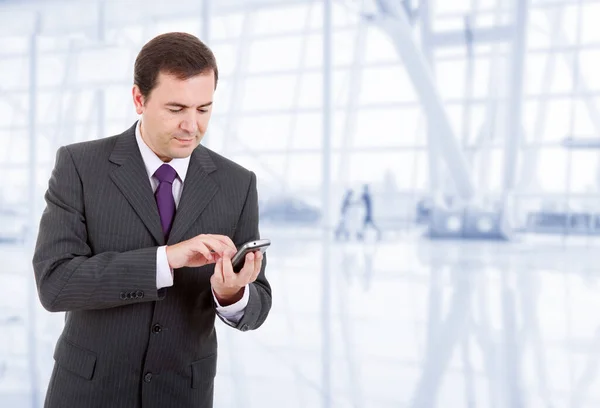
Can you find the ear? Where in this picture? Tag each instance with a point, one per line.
(138, 99)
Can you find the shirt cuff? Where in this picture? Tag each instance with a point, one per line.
(164, 273)
(232, 314)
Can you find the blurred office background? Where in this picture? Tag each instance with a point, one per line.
(462, 275)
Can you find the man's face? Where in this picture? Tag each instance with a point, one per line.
(176, 114)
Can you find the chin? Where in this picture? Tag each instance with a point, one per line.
(182, 152)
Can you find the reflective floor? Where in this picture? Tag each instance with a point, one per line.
(411, 323)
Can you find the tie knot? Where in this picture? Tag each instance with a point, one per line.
(165, 173)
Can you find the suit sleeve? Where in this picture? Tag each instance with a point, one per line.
(68, 276)
(259, 301)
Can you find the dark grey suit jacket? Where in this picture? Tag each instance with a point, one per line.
(125, 343)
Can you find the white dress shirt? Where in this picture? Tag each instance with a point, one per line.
(164, 274)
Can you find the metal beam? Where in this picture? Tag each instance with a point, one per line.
(326, 361)
(236, 95)
(583, 89)
(490, 124)
(469, 79)
(531, 156)
(470, 398)
(348, 29)
(441, 349)
(351, 350)
(458, 38)
(100, 92)
(559, 39)
(295, 97)
(355, 82)
(399, 29)
(136, 45)
(206, 19)
(528, 288)
(33, 216)
(482, 334)
(432, 149)
(511, 348)
(18, 18)
(514, 128)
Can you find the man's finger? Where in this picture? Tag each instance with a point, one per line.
(226, 240)
(257, 267)
(218, 274)
(248, 270)
(214, 244)
(203, 249)
(258, 260)
(229, 277)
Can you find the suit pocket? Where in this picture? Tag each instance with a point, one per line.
(204, 371)
(75, 359)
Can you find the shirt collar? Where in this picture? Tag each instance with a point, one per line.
(151, 160)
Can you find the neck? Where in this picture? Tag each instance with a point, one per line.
(142, 132)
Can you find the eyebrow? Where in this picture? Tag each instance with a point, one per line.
(181, 105)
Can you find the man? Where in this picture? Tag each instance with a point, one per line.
(136, 241)
(342, 228)
(368, 215)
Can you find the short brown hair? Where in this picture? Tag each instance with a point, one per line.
(180, 54)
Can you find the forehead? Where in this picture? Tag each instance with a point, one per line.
(196, 90)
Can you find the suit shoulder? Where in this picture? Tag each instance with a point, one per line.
(93, 148)
(228, 165)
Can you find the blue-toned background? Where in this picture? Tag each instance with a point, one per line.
(475, 125)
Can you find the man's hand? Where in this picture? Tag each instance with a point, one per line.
(199, 251)
(227, 285)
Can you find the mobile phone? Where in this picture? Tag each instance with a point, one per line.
(251, 246)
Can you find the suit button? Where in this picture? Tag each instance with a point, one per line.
(156, 328)
(140, 294)
(123, 296)
(129, 295)
(148, 377)
(244, 327)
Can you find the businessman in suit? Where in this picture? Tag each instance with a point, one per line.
(135, 245)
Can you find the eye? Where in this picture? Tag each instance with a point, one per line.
(174, 110)
(203, 110)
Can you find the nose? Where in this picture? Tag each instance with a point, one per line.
(189, 125)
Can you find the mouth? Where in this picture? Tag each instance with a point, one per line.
(184, 141)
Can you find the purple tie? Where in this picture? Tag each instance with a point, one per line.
(164, 197)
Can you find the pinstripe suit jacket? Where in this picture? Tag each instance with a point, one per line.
(125, 343)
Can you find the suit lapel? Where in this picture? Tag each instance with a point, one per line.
(198, 190)
(132, 179)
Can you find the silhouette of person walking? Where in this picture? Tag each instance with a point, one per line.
(342, 228)
(368, 217)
